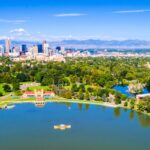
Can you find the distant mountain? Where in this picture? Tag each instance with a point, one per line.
(105, 44)
(91, 43)
(1, 41)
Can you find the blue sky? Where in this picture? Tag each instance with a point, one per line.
(75, 19)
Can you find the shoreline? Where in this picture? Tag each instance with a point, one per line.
(105, 104)
(61, 101)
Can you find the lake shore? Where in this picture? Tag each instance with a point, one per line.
(63, 100)
(59, 100)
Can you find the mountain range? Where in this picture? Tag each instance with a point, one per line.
(92, 43)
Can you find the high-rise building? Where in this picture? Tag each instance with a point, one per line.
(60, 49)
(2, 51)
(46, 48)
(7, 45)
(40, 48)
(24, 48)
(34, 50)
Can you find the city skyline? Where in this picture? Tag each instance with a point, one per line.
(80, 19)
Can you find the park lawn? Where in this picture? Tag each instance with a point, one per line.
(38, 88)
(86, 87)
(26, 82)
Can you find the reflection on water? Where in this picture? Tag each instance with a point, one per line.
(132, 114)
(93, 127)
(125, 109)
(80, 106)
(87, 106)
(144, 120)
(117, 112)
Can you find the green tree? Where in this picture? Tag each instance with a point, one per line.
(132, 103)
(126, 104)
(16, 85)
(80, 95)
(1, 94)
(7, 88)
(87, 96)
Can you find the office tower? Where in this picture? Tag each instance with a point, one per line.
(7, 45)
(46, 48)
(34, 50)
(40, 48)
(58, 48)
(51, 52)
(2, 50)
(24, 48)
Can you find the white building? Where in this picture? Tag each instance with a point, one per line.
(2, 50)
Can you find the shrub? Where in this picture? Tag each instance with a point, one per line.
(126, 104)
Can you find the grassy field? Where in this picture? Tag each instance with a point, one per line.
(38, 88)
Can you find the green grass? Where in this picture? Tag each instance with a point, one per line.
(38, 88)
(26, 82)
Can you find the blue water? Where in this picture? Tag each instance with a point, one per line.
(125, 90)
(93, 127)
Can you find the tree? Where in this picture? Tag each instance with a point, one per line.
(16, 85)
(144, 104)
(126, 104)
(6, 88)
(74, 88)
(148, 84)
(1, 94)
(22, 77)
(132, 103)
(87, 96)
(90, 90)
(80, 95)
(82, 87)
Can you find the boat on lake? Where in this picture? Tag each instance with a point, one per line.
(7, 107)
(62, 127)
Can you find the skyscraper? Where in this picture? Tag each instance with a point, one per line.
(7, 45)
(46, 48)
(40, 48)
(33, 50)
(1, 50)
(24, 48)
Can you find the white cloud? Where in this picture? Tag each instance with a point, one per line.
(70, 15)
(132, 11)
(12, 21)
(3, 37)
(20, 30)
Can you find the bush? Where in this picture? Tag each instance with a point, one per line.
(132, 103)
(6, 88)
(1, 94)
(126, 104)
(18, 93)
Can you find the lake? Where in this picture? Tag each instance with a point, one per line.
(125, 90)
(27, 127)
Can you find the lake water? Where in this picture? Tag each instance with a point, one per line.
(93, 128)
(125, 90)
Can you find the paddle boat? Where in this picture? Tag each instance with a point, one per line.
(62, 127)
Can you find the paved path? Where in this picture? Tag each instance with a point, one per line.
(6, 96)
